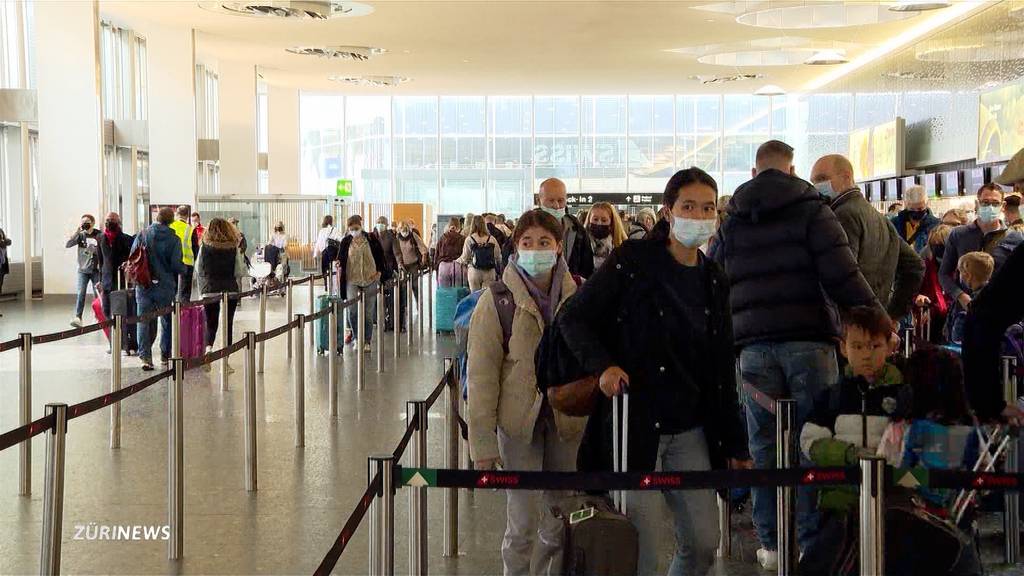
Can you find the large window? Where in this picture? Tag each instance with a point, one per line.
(463, 154)
(368, 146)
(509, 153)
(207, 120)
(556, 152)
(650, 151)
(604, 145)
(321, 123)
(415, 141)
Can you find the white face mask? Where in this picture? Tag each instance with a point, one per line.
(558, 213)
(692, 233)
(355, 231)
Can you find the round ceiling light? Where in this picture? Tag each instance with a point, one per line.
(372, 81)
(830, 15)
(359, 53)
(290, 9)
(770, 90)
(919, 5)
(785, 57)
(723, 79)
(827, 58)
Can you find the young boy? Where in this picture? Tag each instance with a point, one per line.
(975, 269)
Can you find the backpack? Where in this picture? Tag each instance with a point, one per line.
(504, 305)
(136, 269)
(483, 254)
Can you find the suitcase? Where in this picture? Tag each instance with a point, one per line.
(122, 302)
(599, 538)
(193, 332)
(97, 311)
(322, 324)
(444, 307)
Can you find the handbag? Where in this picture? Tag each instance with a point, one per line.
(136, 269)
(577, 398)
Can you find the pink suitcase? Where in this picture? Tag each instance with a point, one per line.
(193, 332)
(452, 275)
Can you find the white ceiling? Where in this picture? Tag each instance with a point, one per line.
(511, 47)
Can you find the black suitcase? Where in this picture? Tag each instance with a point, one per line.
(123, 302)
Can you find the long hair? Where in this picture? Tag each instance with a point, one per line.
(479, 226)
(618, 230)
(220, 231)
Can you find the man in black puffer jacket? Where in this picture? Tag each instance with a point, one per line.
(791, 271)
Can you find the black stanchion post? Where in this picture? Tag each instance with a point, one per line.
(300, 382)
(451, 460)
(176, 461)
(115, 380)
(250, 411)
(288, 312)
(25, 413)
(1011, 511)
(225, 299)
(786, 456)
(872, 516)
(416, 414)
(53, 491)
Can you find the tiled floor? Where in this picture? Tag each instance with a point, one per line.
(304, 496)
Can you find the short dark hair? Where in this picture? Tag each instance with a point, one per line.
(354, 220)
(327, 221)
(165, 215)
(870, 319)
(183, 211)
(683, 178)
(990, 186)
(536, 218)
(774, 149)
(1012, 202)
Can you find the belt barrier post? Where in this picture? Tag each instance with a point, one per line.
(53, 491)
(332, 358)
(300, 381)
(312, 305)
(430, 299)
(374, 536)
(786, 456)
(908, 342)
(451, 460)
(175, 330)
(419, 301)
(872, 515)
(379, 303)
(1011, 512)
(410, 281)
(416, 413)
(250, 411)
(360, 329)
(115, 380)
(464, 461)
(25, 414)
(176, 462)
(725, 528)
(288, 313)
(225, 300)
(385, 516)
(397, 318)
(263, 326)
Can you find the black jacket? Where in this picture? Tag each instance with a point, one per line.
(375, 249)
(581, 260)
(113, 257)
(216, 270)
(788, 261)
(997, 307)
(624, 316)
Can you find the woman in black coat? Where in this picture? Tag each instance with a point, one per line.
(655, 319)
(115, 246)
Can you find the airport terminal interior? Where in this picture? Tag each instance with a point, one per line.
(326, 432)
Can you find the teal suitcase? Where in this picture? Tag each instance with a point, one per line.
(444, 307)
(322, 342)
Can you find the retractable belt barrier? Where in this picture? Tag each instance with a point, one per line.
(10, 345)
(354, 519)
(19, 435)
(72, 333)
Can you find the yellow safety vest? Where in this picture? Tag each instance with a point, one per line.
(184, 232)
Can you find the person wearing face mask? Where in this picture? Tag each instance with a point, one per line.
(915, 222)
(114, 250)
(655, 319)
(510, 421)
(792, 273)
(86, 239)
(606, 231)
(983, 234)
(579, 252)
(451, 273)
(892, 268)
(412, 255)
(930, 294)
(482, 254)
(361, 267)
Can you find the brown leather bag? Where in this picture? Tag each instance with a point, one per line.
(577, 398)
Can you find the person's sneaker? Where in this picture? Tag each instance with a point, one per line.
(108, 352)
(76, 322)
(768, 559)
(164, 361)
(367, 348)
(147, 364)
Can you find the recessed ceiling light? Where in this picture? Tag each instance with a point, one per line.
(290, 9)
(723, 79)
(360, 53)
(821, 15)
(904, 75)
(919, 5)
(827, 58)
(371, 81)
(770, 90)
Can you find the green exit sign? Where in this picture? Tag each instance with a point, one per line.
(344, 188)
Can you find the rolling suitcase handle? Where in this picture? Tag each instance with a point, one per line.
(620, 444)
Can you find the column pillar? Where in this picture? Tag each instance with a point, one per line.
(237, 108)
(172, 114)
(283, 129)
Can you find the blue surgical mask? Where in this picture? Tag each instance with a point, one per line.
(825, 189)
(537, 262)
(558, 213)
(692, 233)
(988, 214)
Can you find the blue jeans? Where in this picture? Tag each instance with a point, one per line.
(351, 291)
(797, 370)
(147, 301)
(694, 512)
(84, 278)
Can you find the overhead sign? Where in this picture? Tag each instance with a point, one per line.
(344, 188)
(616, 199)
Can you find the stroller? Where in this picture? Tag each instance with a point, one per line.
(269, 268)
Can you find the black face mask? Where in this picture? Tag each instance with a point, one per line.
(600, 231)
(938, 250)
(112, 225)
(916, 215)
